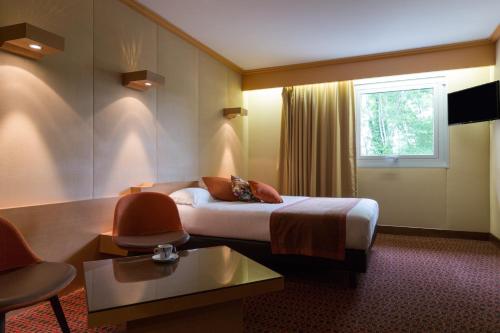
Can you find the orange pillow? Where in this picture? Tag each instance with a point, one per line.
(265, 192)
(220, 188)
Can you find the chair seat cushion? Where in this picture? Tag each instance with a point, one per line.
(32, 284)
(149, 242)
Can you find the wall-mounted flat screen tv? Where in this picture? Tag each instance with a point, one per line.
(480, 103)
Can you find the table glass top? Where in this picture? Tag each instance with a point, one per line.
(127, 281)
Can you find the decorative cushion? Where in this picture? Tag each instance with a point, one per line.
(241, 189)
(193, 196)
(220, 188)
(265, 192)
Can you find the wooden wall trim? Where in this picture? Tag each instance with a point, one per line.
(165, 188)
(495, 35)
(409, 231)
(445, 57)
(145, 11)
(370, 57)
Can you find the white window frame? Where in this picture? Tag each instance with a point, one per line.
(440, 157)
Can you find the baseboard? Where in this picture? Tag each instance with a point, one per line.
(495, 240)
(409, 231)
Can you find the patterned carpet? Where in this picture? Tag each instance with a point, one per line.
(414, 284)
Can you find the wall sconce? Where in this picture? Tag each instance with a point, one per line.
(231, 113)
(30, 41)
(142, 80)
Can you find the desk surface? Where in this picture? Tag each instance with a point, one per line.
(114, 284)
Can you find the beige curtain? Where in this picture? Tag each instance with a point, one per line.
(318, 147)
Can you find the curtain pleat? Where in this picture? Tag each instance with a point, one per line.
(318, 147)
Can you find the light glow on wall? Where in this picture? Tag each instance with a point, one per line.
(228, 138)
(264, 128)
(133, 146)
(36, 155)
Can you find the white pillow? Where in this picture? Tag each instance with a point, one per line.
(193, 196)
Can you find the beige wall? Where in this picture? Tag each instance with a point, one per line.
(70, 131)
(177, 115)
(221, 140)
(264, 121)
(124, 119)
(495, 165)
(46, 108)
(456, 198)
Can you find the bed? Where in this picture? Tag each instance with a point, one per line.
(246, 228)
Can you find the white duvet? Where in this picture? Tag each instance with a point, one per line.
(251, 220)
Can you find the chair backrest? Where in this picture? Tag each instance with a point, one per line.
(14, 251)
(145, 213)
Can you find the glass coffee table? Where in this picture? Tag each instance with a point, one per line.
(202, 291)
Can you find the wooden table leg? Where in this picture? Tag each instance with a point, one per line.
(223, 317)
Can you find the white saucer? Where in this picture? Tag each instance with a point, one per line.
(173, 257)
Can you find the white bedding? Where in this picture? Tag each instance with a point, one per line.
(251, 220)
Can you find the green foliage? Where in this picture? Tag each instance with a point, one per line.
(397, 123)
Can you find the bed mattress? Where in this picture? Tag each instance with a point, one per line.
(250, 221)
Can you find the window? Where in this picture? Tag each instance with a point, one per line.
(402, 123)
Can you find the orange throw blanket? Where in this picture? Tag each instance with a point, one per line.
(312, 227)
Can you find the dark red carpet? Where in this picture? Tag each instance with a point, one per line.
(414, 284)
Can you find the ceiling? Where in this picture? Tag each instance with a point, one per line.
(265, 33)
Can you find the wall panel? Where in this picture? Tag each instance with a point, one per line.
(89, 136)
(239, 125)
(125, 119)
(264, 125)
(221, 150)
(46, 108)
(177, 110)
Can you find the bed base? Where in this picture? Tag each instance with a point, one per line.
(356, 261)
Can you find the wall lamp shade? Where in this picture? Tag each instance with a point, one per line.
(142, 80)
(29, 41)
(231, 113)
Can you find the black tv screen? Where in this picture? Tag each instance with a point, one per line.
(480, 103)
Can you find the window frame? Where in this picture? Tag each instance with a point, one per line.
(440, 157)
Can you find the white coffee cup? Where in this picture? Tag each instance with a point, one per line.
(164, 250)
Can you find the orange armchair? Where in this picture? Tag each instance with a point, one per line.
(25, 279)
(144, 220)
